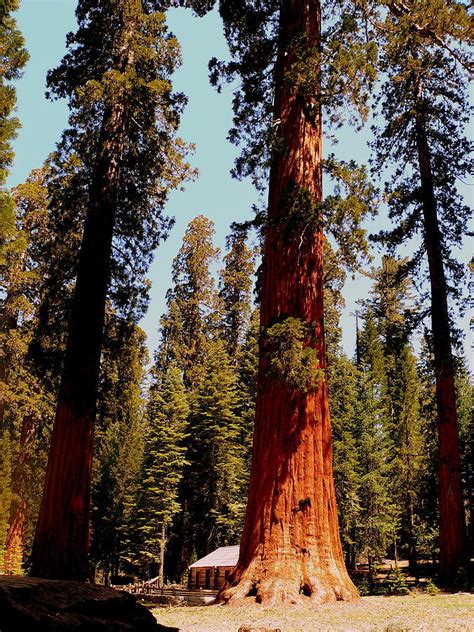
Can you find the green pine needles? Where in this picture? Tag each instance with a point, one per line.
(290, 356)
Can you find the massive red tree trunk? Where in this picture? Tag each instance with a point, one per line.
(290, 549)
(61, 544)
(451, 509)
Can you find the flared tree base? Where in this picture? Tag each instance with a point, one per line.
(288, 582)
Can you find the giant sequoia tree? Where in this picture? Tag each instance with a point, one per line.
(424, 102)
(116, 75)
(290, 548)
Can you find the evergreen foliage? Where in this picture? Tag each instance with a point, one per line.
(425, 83)
(163, 465)
(235, 290)
(247, 389)
(425, 105)
(217, 472)
(119, 447)
(378, 510)
(290, 359)
(30, 377)
(14, 57)
(380, 431)
(122, 53)
(193, 303)
(341, 71)
(344, 407)
(205, 335)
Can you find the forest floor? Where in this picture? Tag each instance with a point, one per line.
(414, 612)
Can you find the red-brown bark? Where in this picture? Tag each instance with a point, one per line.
(452, 538)
(290, 549)
(61, 543)
(15, 540)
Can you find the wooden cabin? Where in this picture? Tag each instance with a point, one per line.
(211, 571)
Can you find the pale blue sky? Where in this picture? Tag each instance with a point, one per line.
(205, 122)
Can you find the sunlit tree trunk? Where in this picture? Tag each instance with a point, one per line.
(451, 509)
(290, 549)
(15, 540)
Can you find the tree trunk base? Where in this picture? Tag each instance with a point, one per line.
(277, 584)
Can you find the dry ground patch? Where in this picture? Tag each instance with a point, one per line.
(418, 612)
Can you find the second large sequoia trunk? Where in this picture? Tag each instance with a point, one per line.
(290, 549)
(61, 543)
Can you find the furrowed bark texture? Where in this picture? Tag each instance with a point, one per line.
(61, 543)
(451, 509)
(290, 550)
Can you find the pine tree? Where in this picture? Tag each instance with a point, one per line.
(14, 58)
(409, 463)
(334, 279)
(344, 381)
(378, 513)
(424, 102)
(235, 291)
(192, 319)
(116, 75)
(343, 405)
(193, 310)
(216, 455)
(163, 466)
(119, 446)
(247, 371)
(390, 301)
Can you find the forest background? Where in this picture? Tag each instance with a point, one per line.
(369, 528)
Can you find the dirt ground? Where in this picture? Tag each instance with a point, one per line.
(420, 612)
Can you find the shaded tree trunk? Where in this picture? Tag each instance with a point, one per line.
(451, 508)
(61, 543)
(290, 549)
(412, 543)
(162, 557)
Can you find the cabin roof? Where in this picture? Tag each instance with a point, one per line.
(223, 556)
